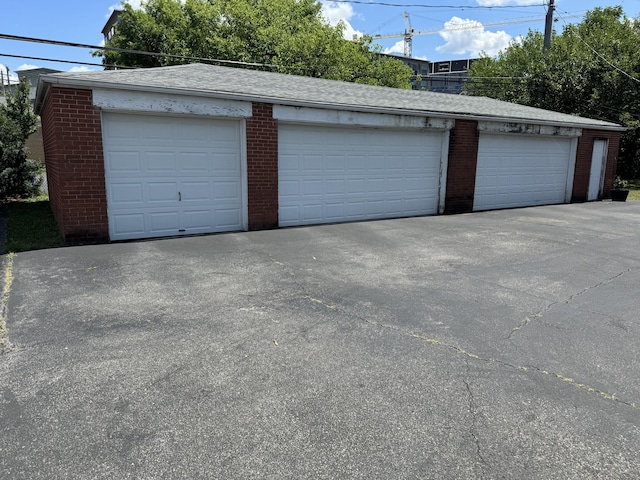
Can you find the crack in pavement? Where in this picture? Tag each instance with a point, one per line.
(469, 355)
(523, 368)
(473, 411)
(567, 300)
(473, 356)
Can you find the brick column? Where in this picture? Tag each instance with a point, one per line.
(461, 172)
(584, 156)
(262, 167)
(72, 134)
(612, 163)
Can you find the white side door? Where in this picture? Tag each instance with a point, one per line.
(598, 161)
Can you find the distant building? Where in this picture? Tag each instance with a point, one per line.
(447, 76)
(110, 27)
(32, 75)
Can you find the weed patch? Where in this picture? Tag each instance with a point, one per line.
(31, 225)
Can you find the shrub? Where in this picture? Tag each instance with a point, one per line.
(19, 176)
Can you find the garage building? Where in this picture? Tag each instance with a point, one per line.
(198, 148)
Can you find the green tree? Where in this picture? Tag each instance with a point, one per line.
(592, 69)
(292, 35)
(18, 175)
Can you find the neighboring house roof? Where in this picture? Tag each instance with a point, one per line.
(32, 72)
(252, 85)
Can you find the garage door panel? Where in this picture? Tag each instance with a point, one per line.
(123, 162)
(357, 173)
(159, 131)
(129, 224)
(311, 164)
(195, 162)
(355, 209)
(310, 188)
(289, 188)
(161, 192)
(356, 186)
(227, 191)
(518, 171)
(229, 164)
(159, 162)
(172, 175)
(196, 219)
(335, 187)
(124, 132)
(197, 192)
(228, 219)
(164, 221)
(126, 194)
(313, 212)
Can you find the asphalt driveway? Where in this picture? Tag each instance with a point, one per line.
(490, 345)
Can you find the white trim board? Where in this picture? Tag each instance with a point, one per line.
(361, 119)
(528, 129)
(147, 102)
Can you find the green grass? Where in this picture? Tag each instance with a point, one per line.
(31, 225)
(634, 190)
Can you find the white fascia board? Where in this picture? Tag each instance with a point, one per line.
(528, 129)
(327, 116)
(150, 102)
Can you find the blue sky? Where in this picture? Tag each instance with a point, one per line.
(81, 21)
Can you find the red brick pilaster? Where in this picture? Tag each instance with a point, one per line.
(72, 134)
(262, 167)
(461, 172)
(583, 163)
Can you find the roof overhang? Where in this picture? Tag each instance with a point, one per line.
(46, 81)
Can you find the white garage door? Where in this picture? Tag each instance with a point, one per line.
(171, 175)
(520, 171)
(337, 174)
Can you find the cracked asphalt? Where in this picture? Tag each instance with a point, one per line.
(491, 345)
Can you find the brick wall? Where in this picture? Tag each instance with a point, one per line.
(262, 167)
(461, 172)
(72, 135)
(583, 163)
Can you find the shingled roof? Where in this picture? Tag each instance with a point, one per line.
(251, 85)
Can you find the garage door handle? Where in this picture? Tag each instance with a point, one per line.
(179, 196)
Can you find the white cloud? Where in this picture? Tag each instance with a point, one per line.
(26, 66)
(397, 47)
(500, 3)
(82, 69)
(464, 36)
(335, 12)
(136, 4)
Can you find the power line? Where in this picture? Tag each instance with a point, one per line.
(602, 57)
(449, 7)
(132, 52)
(61, 61)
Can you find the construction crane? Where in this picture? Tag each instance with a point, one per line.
(409, 32)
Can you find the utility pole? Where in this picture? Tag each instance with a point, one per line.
(548, 27)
